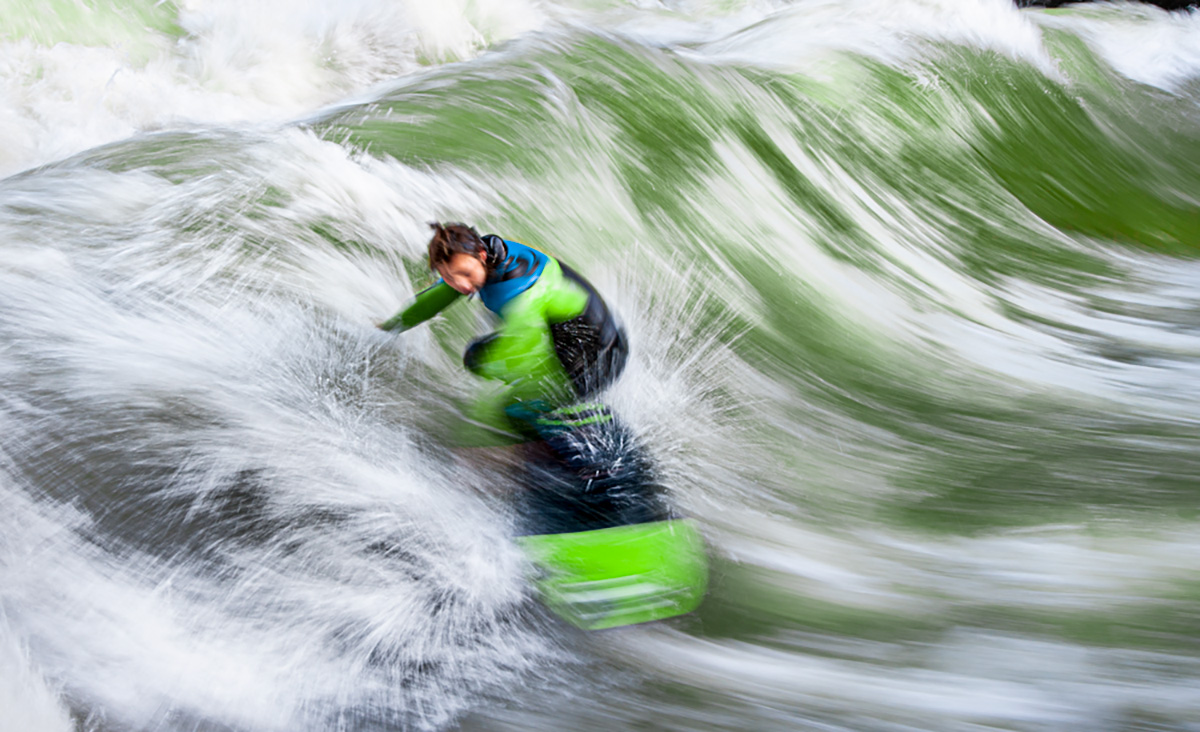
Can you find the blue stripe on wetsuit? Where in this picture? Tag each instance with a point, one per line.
(516, 274)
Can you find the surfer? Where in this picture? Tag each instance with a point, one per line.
(559, 343)
(558, 346)
(592, 515)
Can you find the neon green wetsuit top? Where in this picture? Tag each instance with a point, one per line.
(558, 343)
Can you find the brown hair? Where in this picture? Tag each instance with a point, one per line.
(450, 239)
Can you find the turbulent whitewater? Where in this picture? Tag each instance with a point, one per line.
(913, 297)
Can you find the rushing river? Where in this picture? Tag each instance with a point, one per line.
(913, 297)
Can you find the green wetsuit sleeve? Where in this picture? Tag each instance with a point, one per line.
(521, 342)
(522, 353)
(428, 303)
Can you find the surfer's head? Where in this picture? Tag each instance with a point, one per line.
(459, 256)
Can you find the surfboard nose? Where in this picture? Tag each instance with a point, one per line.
(621, 575)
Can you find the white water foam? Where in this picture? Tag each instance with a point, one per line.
(236, 63)
(28, 702)
(292, 633)
(271, 61)
(806, 37)
(1147, 44)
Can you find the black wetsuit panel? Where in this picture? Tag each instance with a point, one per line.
(591, 346)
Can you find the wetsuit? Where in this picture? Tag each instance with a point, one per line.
(559, 345)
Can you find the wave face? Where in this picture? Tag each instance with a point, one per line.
(911, 289)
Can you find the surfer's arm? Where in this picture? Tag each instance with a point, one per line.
(428, 303)
(522, 354)
(514, 351)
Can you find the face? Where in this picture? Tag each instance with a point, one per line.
(464, 272)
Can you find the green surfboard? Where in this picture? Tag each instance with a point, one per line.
(621, 575)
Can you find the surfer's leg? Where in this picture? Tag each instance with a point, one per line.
(589, 472)
(514, 398)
